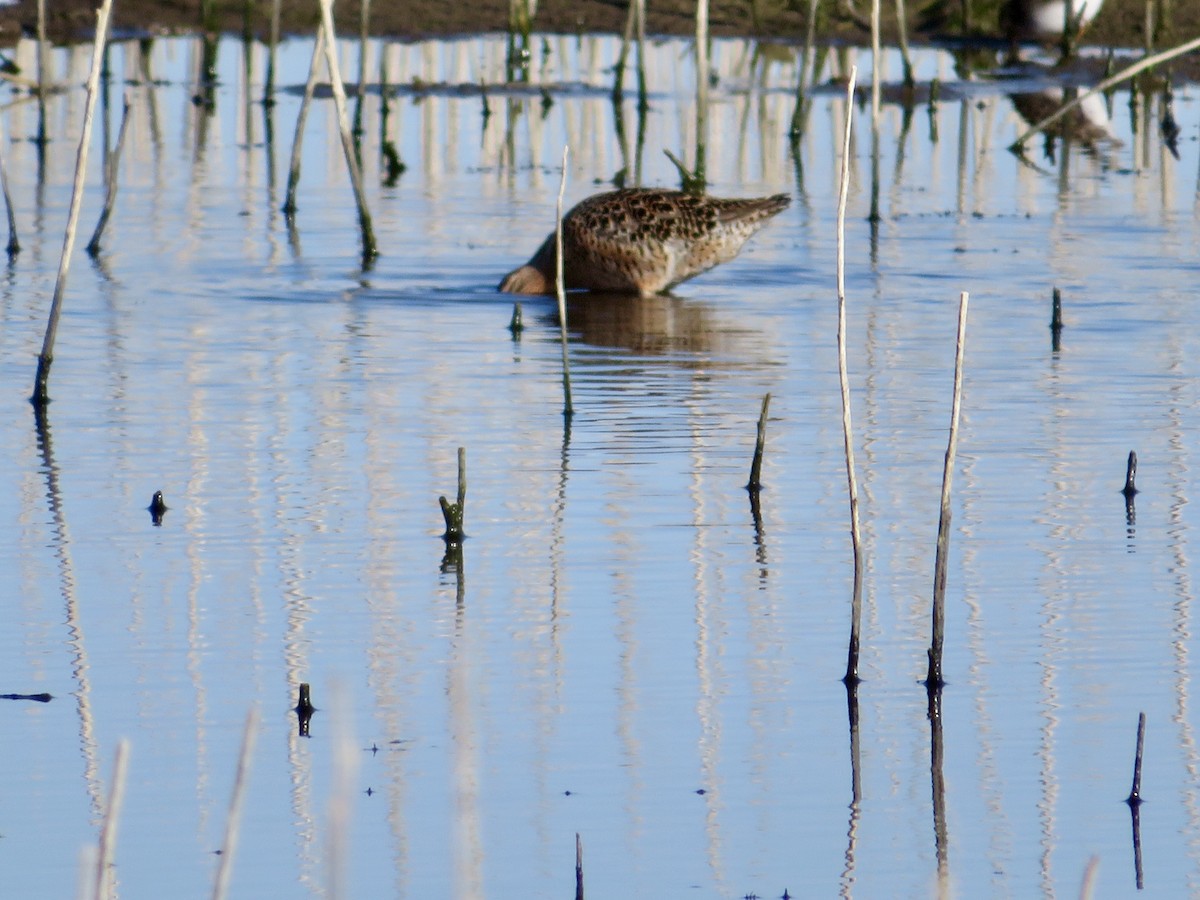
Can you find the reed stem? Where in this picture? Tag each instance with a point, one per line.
(110, 194)
(41, 394)
(233, 823)
(367, 231)
(934, 679)
(851, 675)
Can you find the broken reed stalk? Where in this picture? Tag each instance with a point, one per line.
(755, 484)
(933, 680)
(1135, 793)
(1130, 476)
(110, 195)
(108, 830)
(1125, 74)
(369, 250)
(14, 245)
(568, 407)
(310, 86)
(851, 675)
(578, 867)
(41, 394)
(233, 823)
(454, 513)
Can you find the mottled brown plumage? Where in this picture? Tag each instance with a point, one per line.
(643, 241)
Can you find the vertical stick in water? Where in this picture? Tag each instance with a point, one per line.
(851, 676)
(289, 204)
(1130, 475)
(1135, 793)
(755, 484)
(232, 825)
(108, 831)
(112, 169)
(933, 680)
(568, 408)
(369, 250)
(14, 245)
(41, 395)
(454, 513)
(578, 867)
(1056, 320)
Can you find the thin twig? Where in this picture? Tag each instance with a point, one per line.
(1135, 793)
(14, 245)
(41, 394)
(289, 204)
(369, 250)
(229, 844)
(578, 867)
(934, 679)
(110, 196)
(847, 427)
(455, 513)
(760, 441)
(108, 831)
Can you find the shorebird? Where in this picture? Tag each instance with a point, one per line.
(1044, 19)
(643, 241)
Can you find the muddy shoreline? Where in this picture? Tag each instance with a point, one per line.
(1121, 23)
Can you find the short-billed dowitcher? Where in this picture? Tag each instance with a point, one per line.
(643, 241)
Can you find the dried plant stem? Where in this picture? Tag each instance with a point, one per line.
(289, 204)
(1124, 75)
(851, 675)
(41, 394)
(578, 867)
(14, 245)
(110, 196)
(755, 484)
(232, 825)
(1135, 792)
(108, 830)
(1130, 475)
(454, 513)
(369, 250)
(933, 680)
(568, 407)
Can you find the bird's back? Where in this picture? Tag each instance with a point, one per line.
(646, 241)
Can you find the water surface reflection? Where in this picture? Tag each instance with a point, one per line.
(620, 649)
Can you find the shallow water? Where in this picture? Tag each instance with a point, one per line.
(620, 654)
